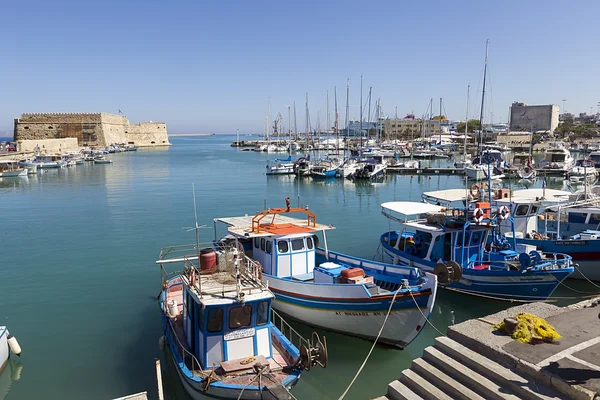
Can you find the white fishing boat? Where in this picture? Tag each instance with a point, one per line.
(324, 288)
(223, 335)
(102, 160)
(8, 345)
(11, 168)
(46, 161)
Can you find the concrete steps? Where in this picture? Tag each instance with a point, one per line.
(449, 370)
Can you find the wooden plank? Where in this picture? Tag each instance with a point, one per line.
(237, 365)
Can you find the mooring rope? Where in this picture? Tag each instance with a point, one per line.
(423, 314)
(585, 277)
(372, 347)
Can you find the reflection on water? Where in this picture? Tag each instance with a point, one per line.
(11, 373)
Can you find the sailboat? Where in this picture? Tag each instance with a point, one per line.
(466, 161)
(487, 165)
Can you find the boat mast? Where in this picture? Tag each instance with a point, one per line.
(482, 98)
(466, 125)
(347, 111)
(307, 121)
(440, 121)
(335, 128)
(269, 122)
(295, 124)
(328, 118)
(361, 113)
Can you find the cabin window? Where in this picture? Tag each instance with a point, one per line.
(297, 244)
(309, 243)
(200, 317)
(215, 320)
(534, 209)
(578, 218)
(269, 247)
(190, 306)
(522, 210)
(282, 246)
(316, 240)
(262, 244)
(256, 242)
(240, 317)
(595, 219)
(262, 317)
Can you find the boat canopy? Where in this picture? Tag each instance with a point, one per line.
(448, 195)
(408, 209)
(276, 225)
(544, 196)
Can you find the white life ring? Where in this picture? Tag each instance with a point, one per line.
(503, 212)
(478, 215)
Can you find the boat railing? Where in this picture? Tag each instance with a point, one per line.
(288, 332)
(187, 358)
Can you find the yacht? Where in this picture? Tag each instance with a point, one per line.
(557, 157)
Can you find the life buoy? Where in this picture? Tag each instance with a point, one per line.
(503, 212)
(474, 190)
(478, 215)
(416, 239)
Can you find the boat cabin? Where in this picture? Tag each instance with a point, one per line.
(219, 328)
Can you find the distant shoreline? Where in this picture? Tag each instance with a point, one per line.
(191, 134)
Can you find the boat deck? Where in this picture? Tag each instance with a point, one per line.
(276, 364)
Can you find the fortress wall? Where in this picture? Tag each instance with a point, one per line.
(90, 129)
(147, 134)
(49, 146)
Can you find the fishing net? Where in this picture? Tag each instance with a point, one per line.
(527, 328)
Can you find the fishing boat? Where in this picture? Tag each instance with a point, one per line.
(11, 168)
(584, 169)
(280, 166)
(468, 253)
(102, 160)
(225, 339)
(328, 289)
(45, 161)
(8, 345)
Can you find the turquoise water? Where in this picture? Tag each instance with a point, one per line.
(78, 279)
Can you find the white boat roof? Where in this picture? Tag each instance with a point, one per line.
(449, 195)
(537, 195)
(242, 226)
(411, 207)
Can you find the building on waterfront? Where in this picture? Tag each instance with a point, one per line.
(90, 129)
(407, 127)
(356, 129)
(540, 118)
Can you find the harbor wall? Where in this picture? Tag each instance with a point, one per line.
(89, 129)
(48, 146)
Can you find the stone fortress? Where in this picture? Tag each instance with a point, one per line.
(90, 129)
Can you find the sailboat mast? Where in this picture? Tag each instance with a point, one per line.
(347, 111)
(328, 119)
(336, 127)
(440, 121)
(466, 125)
(483, 97)
(307, 123)
(361, 117)
(269, 121)
(295, 124)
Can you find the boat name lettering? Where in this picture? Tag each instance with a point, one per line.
(357, 313)
(242, 333)
(570, 242)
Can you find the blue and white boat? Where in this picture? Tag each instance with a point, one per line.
(372, 168)
(454, 246)
(280, 166)
(325, 169)
(224, 337)
(45, 161)
(327, 289)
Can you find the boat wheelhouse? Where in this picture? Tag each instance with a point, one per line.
(468, 253)
(557, 157)
(225, 339)
(331, 290)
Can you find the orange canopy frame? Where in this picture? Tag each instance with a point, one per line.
(284, 228)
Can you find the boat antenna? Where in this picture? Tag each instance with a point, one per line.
(482, 98)
(466, 126)
(196, 228)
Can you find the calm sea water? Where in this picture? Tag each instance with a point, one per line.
(78, 279)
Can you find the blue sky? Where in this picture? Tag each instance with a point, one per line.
(211, 66)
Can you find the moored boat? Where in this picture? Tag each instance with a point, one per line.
(8, 345)
(11, 168)
(467, 251)
(328, 289)
(224, 337)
